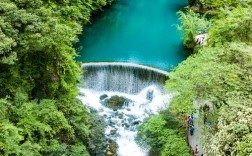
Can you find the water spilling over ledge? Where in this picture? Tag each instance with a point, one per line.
(121, 77)
(125, 94)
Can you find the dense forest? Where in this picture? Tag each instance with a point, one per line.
(217, 74)
(39, 112)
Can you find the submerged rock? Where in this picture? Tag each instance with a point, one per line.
(104, 96)
(81, 94)
(113, 131)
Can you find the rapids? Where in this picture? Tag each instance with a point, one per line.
(140, 85)
(122, 120)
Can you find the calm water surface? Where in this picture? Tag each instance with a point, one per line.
(137, 31)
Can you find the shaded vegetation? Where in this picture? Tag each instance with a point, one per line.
(164, 135)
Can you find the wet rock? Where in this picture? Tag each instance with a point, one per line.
(113, 131)
(126, 125)
(120, 116)
(108, 153)
(111, 123)
(128, 109)
(115, 102)
(104, 96)
(136, 122)
(112, 147)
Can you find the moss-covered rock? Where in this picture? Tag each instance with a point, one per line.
(111, 151)
(115, 102)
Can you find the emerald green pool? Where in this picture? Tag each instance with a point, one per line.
(137, 31)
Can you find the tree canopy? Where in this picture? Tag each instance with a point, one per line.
(220, 73)
(40, 114)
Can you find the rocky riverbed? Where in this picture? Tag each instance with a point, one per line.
(123, 113)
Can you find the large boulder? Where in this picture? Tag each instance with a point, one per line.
(115, 102)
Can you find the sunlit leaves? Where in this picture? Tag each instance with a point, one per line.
(9, 138)
(163, 134)
(227, 4)
(39, 112)
(192, 24)
(221, 75)
(235, 27)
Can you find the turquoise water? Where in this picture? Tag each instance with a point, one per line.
(137, 31)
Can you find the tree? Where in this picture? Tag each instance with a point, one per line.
(231, 26)
(163, 134)
(192, 24)
(215, 5)
(221, 75)
(40, 114)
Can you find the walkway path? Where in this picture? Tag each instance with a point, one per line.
(196, 138)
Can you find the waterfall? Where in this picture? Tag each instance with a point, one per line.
(140, 90)
(122, 77)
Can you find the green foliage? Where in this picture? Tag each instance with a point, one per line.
(40, 114)
(43, 132)
(9, 138)
(236, 26)
(192, 24)
(191, 2)
(163, 134)
(175, 146)
(78, 150)
(213, 6)
(96, 142)
(220, 73)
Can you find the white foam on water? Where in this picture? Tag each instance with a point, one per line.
(138, 110)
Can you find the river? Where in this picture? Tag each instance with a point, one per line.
(127, 52)
(142, 32)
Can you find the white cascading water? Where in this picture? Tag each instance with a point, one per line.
(121, 77)
(124, 121)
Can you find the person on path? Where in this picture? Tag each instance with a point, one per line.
(196, 150)
(192, 112)
(205, 118)
(188, 119)
(191, 120)
(191, 129)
